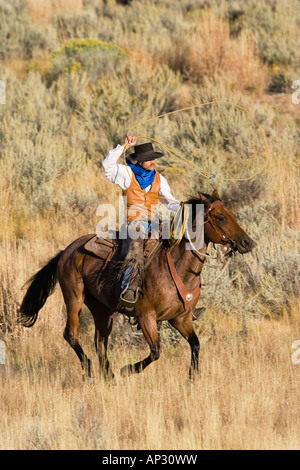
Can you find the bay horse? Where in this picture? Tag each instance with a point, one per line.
(83, 282)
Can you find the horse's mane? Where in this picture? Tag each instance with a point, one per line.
(196, 199)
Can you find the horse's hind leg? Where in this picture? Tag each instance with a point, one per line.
(71, 335)
(148, 326)
(184, 324)
(103, 327)
(72, 287)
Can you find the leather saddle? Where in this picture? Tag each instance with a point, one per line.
(105, 249)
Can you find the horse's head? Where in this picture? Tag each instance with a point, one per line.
(221, 225)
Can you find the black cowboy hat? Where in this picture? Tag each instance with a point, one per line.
(145, 153)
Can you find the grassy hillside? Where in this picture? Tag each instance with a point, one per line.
(79, 74)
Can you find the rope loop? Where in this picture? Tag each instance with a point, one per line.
(194, 166)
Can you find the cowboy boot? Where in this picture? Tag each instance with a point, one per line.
(129, 294)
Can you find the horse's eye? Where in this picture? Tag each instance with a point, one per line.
(221, 218)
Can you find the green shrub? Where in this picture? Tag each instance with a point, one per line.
(21, 39)
(120, 101)
(276, 26)
(86, 55)
(36, 147)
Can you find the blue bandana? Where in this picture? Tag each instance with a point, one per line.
(144, 177)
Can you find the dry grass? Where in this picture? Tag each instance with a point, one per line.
(245, 398)
(208, 50)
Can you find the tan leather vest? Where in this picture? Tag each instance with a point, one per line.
(139, 201)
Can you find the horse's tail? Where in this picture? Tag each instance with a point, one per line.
(42, 285)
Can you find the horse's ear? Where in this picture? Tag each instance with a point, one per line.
(216, 194)
(204, 200)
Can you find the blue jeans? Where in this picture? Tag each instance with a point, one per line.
(134, 248)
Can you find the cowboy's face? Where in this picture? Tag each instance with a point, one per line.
(150, 165)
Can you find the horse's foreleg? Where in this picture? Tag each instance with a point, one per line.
(149, 328)
(185, 327)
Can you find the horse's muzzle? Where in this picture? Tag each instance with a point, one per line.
(244, 244)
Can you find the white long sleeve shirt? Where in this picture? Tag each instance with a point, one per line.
(122, 176)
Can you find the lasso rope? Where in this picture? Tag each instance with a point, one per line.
(192, 165)
(175, 234)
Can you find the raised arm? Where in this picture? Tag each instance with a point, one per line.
(118, 173)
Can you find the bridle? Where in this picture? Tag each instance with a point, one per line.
(229, 244)
(209, 220)
(226, 251)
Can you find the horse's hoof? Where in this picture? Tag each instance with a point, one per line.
(126, 370)
(193, 375)
(197, 312)
(190, 384)
(87, 380)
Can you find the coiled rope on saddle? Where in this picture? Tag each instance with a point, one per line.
(178, 224)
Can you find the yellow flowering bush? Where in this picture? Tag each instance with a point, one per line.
(86, 55)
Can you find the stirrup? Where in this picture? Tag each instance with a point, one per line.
(128, 303)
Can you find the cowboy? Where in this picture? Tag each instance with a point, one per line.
(143, 186)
